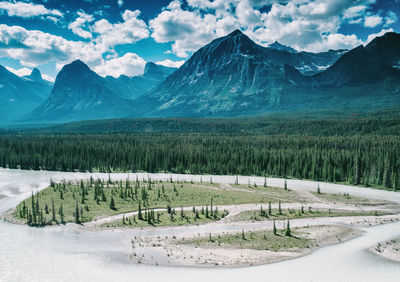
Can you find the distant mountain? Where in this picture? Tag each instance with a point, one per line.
(79, 94)
(233, 76)
(374, 63)
(230, 76)
(19, 95)
(276, 45)
(134, 87)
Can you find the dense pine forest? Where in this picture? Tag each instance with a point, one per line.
(368, 160)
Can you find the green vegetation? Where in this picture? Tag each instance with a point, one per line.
(169, 218)
(304, 212)
(346, 198)
(323, 123)
(84, 201)
(359, 160)
(258, 240)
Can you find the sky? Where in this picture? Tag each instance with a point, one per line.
(116, 37)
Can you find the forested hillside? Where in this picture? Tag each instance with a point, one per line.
(366, 160)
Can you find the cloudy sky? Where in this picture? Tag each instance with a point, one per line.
(117, 37)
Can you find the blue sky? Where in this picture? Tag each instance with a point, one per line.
(117, 37)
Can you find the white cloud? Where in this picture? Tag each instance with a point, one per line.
(390, 18)
(354, 12)
(80, 23)
(26, 71)
(27, 10)
(188, 30)
(372, 21)
(310, 25)
(120, 3)
(48, 77)
(20, 72)
(132, 29)
(34, 47)
(373, 35)
(129, 64)
(169, 63)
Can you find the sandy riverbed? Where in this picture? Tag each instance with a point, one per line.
(389, 249)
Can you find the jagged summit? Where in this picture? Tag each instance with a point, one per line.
(36, 75)
(235, 32)
(278, 46)
(155, 71)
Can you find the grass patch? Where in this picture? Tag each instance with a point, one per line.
(84, 201)
(259, 240)
(346, 198)
(172, 218)
(259, 215)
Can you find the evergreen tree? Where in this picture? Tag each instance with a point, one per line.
(112, 204)
(140, 216)
(279, 207)
(77, 217)
(53, 211)
(274, 228)
(287, 231)
(61, 213)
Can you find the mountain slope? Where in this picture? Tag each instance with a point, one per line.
(19, 95)
(232, 75)
(134, 87)
(361, 66)
(78, 94)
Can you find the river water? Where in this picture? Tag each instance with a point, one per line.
(70, 254)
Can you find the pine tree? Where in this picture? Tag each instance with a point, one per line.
(61, 213)
(140, 216)
(265, 181)
(112, 204)
(269, 208)
(274, 228)
(285, 186)
(318, 190)
(279, 207)
(287, 231)
(77, 218)
(387, 182)
(53, 211)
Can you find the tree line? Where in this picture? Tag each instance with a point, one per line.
(359, 160)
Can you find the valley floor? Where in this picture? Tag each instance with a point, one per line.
(244, 235)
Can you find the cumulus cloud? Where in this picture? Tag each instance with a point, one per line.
(34, 47)
(310, 25)
(170, 63)
(372, 21)
(27, 10)
(20, 72)
(129, 64)
(188, 30)
(390, 18)
(27, 71)
(79, 25)
(132, 29)
(120, 3)
(373, 35)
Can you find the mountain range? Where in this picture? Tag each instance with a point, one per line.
(229, 77)
(21, 94)
(80, 94)
(233, 76)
